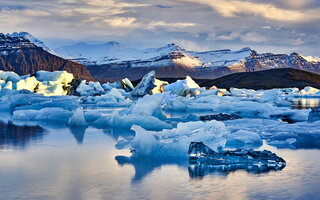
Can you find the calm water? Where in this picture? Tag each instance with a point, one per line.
(59, 163)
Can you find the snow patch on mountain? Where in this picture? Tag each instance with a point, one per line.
(33, 40)
(168, 55)
(311, 58)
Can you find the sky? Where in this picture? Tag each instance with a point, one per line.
(279, 26)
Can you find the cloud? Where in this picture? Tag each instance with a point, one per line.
(122, 22)
(276, 24)
(253, 37)
(155, 24)
(248, 37)
(228, 36)
(235, 8)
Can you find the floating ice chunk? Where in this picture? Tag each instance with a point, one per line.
(78, 119)
(314, 115)
(148, 85)
(124, 84)
(11, 100)
(56, 76)
(184, 87)
(148, 106)
(127, 85)
(202, 158)
(9, 76)
(127, 120)
(242, 92)
(2, 83)
(247, 109)
(51, 89)
(91, 116)
(175, 142)
(288, 143)
(46, 115)
(242, 139)
(8, 86)
(113, 98)
(90, 88)
(28, 83)
(47, 83)
(309, 90)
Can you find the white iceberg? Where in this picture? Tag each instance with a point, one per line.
(243, 138)
(148, 85)
(90, 88)
(78, 119)
(184, 87)
(175, 142)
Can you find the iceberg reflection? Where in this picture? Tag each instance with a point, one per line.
(19, 136)
(144, 166)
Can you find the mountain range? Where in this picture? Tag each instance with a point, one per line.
(113, 61)
(25, 54)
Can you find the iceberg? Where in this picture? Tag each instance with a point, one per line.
(203, 160)
(314, 115)
(45, 115)
(243, 139)
(148, 85)
(309, 91)
(124, 84)
(90, 88)
(78, 119)
(175, 142)
(184, 87)
(9, 76)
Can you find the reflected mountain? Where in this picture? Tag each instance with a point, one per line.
(19, 136)
(144, 166)
(78, 133)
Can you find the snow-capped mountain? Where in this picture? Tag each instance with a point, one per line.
(113, 52)
(112, 61)
(19, 54)
(33, 40)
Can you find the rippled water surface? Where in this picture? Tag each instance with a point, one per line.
(59, 163)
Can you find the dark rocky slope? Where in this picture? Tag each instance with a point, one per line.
(23, 57)
(268, 79)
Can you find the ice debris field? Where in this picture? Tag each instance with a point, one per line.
(165, 117)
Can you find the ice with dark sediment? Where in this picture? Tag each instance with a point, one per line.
(203, 160)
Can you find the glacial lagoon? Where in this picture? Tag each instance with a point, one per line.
(83, 163)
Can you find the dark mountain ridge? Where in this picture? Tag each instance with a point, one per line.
(20, 55)
(268, 79)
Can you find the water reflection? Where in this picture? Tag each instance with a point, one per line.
(305, 103)
(19, 136)
(116, 133)
(144, 166)
(78, 133)
(199, 170)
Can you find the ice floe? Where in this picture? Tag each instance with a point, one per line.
(165, 117)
